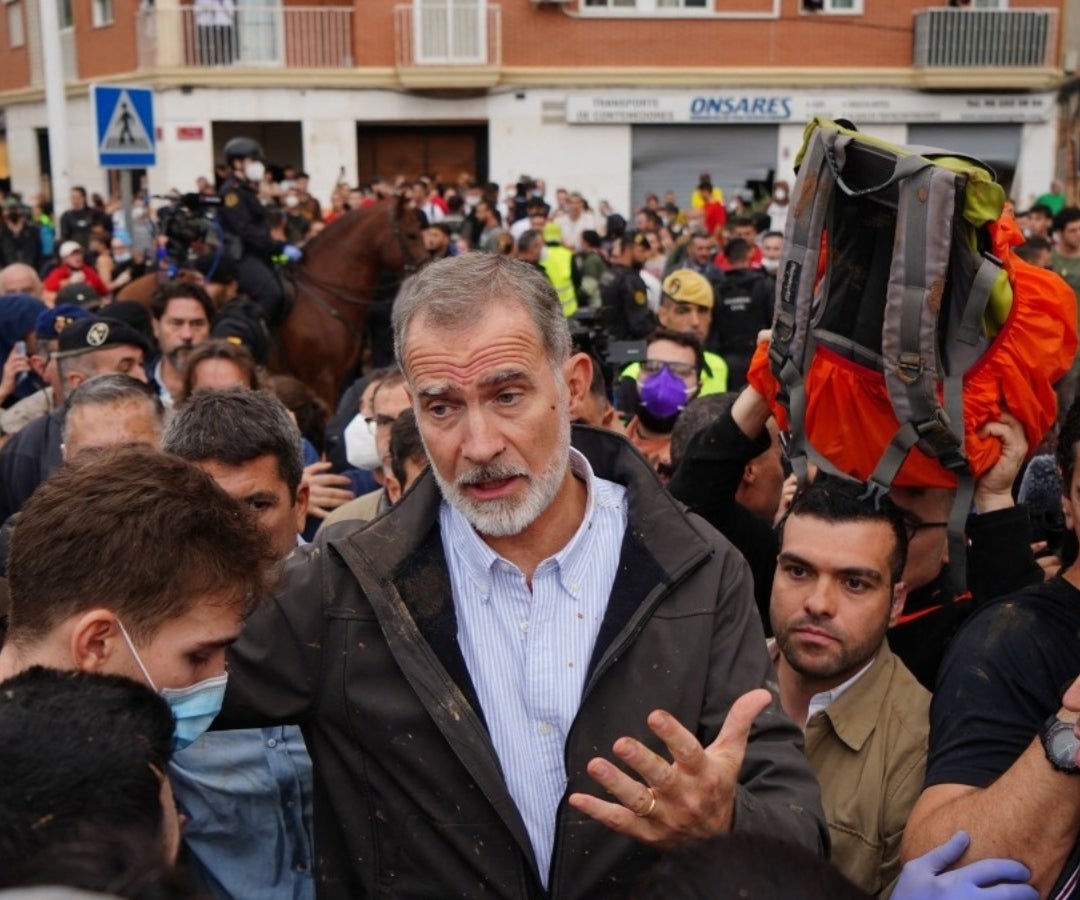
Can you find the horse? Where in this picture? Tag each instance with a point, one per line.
(347, 279)
(339, 292)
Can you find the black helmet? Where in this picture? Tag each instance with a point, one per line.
(241, 148)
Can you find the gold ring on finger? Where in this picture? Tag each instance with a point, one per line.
(652, 805)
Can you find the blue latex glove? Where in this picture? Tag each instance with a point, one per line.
(925, 878)
(291, 253)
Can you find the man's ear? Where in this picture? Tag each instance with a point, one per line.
(899, 598)
(303, 496)
(96, 641)
(611, 420)
(393, 488)
(578, 372)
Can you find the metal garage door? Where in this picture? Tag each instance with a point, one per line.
(998, 145)
(671, 157)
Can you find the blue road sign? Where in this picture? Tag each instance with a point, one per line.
(124, 117)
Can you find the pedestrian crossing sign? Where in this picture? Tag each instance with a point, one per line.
(124, 117)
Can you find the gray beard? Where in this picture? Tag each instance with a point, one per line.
(512, 515)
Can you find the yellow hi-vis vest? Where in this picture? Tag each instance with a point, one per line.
(558, 265)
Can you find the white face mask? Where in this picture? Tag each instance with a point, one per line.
(254, 170)
(360, 449)
(292, 201)
(770, 265)
(780, 195)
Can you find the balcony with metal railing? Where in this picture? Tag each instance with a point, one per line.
(985, 38)
(450, 44)
(268, 36)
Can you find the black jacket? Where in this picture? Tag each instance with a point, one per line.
(744, 306)
(24, 247)
(999, 562)
(361, 649)
(27, 459)
(244, 217)
(627, 316)
(707, 480)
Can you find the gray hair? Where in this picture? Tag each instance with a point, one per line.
(456, 292)
(529, 239)
(236, 426)
(112, 389)
(82, 363)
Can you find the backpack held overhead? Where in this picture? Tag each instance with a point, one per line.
(903, 321)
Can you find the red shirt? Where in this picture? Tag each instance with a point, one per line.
(59, 276)
(720, 261)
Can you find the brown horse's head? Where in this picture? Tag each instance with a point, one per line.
(347, 279)
(406, 227)
(384, 237)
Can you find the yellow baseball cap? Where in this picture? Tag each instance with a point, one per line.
(687, 286)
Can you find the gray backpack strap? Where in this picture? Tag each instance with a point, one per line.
(811, 198)
(909, 342)
(966, 337)
(792, 343)
(924, 241)
(906, 167)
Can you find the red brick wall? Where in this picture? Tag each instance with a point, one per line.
(373, 27)
(15, 72)
(546, 36)
(882, 37)
(563, 36)
(109, 49)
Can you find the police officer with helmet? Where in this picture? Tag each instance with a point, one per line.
(245, 222)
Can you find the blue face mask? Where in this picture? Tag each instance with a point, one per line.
(193, 707)
(663, 394)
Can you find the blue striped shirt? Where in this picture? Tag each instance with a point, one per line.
(528, 651)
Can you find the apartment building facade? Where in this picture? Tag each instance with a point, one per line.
(610, 97)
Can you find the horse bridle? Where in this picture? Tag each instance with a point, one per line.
(409, 267)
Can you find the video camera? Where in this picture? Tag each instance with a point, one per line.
(589, 336)
(187, 220)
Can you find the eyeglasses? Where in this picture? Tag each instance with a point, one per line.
(913, 525)
(681, 369)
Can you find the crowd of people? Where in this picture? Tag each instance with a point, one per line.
(538, 610)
